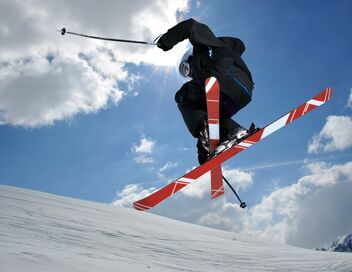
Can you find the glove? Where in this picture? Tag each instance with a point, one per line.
(162, 45)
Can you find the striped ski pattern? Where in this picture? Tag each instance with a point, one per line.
(160, 195)
(212, 90)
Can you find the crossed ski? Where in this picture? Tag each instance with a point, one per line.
(165, 192)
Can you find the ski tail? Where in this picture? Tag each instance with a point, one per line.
(212, 90)
(163, 193)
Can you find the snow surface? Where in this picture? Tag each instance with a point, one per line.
(44, 232)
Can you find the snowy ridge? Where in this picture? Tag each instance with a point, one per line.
(43, 232)
(342, 243)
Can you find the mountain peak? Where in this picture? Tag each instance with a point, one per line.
(342, 243)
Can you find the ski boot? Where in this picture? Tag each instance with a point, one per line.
(203, 144)
(203, 154)
(234, 138)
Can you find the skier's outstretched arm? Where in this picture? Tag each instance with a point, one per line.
(196, 32)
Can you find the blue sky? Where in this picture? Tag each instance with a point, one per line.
(294, 49)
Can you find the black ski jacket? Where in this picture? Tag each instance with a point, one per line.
(213, 56)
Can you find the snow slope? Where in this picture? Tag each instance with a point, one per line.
(43, 232)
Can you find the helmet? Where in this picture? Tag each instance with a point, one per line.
(185, 67)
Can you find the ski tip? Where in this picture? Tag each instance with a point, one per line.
(327, 92)
(321, 98)
(330, 92)
(140, 207)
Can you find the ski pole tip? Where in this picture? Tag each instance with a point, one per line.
(63, 31)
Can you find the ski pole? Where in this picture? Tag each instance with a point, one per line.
(63, 31)
(242, 204)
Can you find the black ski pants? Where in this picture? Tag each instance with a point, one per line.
(191, 101)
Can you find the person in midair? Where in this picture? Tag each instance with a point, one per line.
(219, 57)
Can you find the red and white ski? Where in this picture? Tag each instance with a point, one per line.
(162, 194)
(212, 91)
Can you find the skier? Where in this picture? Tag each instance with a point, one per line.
(219, 57)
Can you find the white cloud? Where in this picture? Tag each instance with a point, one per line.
(349, 102)
(48, 77)
(163, 171)
(224, 215)
(335, 135)
(143, 159)
(240, 179)
(198, 189)
(144, 150)
(131, 193)
(167, 166)
(308, 213)
(146, 146)
(37, 92)
(201, 188)
(195, 203)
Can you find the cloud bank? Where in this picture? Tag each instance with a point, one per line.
(308, 213)
(336, 135)
(47, 77)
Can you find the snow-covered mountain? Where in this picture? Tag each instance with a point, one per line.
(342, 243)
(43, 232)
